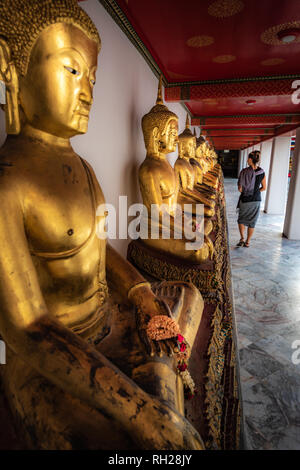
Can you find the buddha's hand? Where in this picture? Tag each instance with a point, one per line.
(158, 427)
(148, 305)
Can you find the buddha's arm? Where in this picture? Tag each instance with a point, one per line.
(197, 196)
(192, 193)
(137, 290)
(121, 273)
(150, 188)
(62, 357)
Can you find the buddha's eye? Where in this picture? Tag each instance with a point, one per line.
(72, 71)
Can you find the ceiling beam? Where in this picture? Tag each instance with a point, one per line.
(265, 87)
(238, 132)
(238, 121)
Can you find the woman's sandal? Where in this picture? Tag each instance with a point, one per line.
(247, 245)
(241, 242)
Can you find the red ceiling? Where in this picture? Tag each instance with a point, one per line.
(235, 46)
(232, 105)
(165, 26)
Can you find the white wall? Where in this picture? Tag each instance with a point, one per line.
(126, 89)
(292, 220)
(265, 160)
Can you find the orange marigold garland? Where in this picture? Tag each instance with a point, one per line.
(162, 327)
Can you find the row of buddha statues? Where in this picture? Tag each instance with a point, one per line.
(195, 178)
(83, 371)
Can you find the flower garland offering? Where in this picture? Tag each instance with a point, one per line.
(162, 327)
(182, 367)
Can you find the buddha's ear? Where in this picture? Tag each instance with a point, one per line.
(155, 132)
(155, 139)
(8, 75)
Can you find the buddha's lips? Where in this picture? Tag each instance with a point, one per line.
(83, 110)
(83, 113)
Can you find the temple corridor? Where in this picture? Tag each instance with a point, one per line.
(266, 280)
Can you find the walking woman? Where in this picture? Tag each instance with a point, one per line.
(251, 183)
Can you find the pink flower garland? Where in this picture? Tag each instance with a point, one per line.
(162, 327)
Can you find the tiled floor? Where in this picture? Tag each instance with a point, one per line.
(266, 283)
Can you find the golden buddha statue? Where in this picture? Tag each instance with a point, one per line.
(201, 154)
(159, 182)
(200, 168)
(216, 165)
(212, 160)
(81, 371)
(186, 173)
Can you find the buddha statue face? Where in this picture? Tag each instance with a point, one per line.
(56, 93)
(168, 138)
(187, 147)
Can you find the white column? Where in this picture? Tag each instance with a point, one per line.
(249, 150)
(292, 218)
(241, 158)
(278, 176)
(257, 147)
(265, 160)
(245, 157)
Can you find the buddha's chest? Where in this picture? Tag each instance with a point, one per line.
(185, 173)
(59, 206)
(168, 182)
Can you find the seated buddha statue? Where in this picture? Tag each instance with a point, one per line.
(212, 160)
(82, 371)
(201, 157)
(159, 182)
(200, 167)
(216, 165)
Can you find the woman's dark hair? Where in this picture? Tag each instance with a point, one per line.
(255, 156)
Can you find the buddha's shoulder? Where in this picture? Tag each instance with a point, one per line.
(148, 166)
(153, 166)
(181, 164)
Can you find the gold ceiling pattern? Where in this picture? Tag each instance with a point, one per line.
(224, 59)
(270, 62)
(225, 8)
(200, 41)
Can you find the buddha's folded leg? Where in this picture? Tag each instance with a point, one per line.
(48, 418)
(178, 248)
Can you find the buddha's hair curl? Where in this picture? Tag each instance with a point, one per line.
(22, 21)
(159, 117)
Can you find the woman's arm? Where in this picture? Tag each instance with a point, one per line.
(263, 184)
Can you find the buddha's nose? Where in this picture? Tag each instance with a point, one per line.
(86, 91)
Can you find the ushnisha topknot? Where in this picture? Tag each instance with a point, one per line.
(187, 133)
(22, 21)
(159, 116)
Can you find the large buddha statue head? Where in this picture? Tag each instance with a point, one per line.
(48, 62)
(160, 128)
(187, 142)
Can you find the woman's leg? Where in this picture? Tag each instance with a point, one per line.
(242, 230)
(249, 235)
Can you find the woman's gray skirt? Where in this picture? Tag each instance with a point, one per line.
(248, 213)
